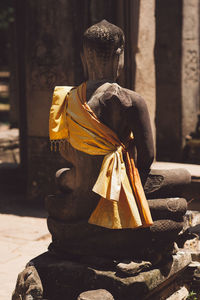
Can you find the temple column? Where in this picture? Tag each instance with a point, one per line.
(190, 66)
(145, 66)
(51, 47)
(48, 45)
(168, 79)
(177, 75)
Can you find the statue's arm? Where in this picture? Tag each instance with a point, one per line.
(139, 122)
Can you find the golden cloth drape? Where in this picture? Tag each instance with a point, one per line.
(123, 203)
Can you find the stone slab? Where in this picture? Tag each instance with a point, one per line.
(96, 295)
(65, 278)
(181, 294)
(194, 170)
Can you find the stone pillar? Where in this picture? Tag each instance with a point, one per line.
(50, 49)
(145, 67)
(127, 18)
(177, 75)
(13, 83)
(190, 66)
(168, 79)
(137, 20)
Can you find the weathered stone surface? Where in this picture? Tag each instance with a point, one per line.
(99, 294)
(63, 208)
(177, 73)
(145, 68)
(194, 170)
(181, 294)
(190, 66)
(168, 79)
(29, 286)
(166, 183)
(9, 138)
(133, 268)
(192, 244)
(192, 151)
(64, 279)
(9, 146)
(81, 238)
(169, 208)
(40, 168)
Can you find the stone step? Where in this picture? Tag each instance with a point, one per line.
(192, 191)
(193, 169)
(64, 277)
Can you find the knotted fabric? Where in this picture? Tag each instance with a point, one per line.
(123, 203)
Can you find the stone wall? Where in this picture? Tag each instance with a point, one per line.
(48, 45)
(177, 75)
(190, 66)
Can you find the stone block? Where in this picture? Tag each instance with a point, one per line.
(81, 238)
(163, 183)
(181, 294)
(29, 286)
(67, 279)
(96, 295)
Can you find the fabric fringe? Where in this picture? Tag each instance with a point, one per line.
(58, 144)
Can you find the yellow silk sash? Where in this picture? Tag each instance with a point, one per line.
(123, 203)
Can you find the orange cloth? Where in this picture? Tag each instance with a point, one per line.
(123, 203)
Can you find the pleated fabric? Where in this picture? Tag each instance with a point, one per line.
(123, 203)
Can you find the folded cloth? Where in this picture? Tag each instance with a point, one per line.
(123, 203)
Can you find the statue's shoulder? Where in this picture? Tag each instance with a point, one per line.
(127, 97)
(135, 97)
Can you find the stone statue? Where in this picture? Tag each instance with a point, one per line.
(124, 111)
(85, 255)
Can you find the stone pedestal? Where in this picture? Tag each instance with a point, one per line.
(70, 209)
(66, 279)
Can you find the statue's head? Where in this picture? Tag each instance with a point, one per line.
(103, 51)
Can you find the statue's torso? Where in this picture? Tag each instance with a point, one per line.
(109, 102)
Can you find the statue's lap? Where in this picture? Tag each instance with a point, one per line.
(70, 209)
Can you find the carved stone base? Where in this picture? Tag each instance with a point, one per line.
(77, 237)
(28, 286)
(67, 279)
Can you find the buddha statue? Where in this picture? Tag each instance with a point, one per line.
(125, 113)
(104, 134)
